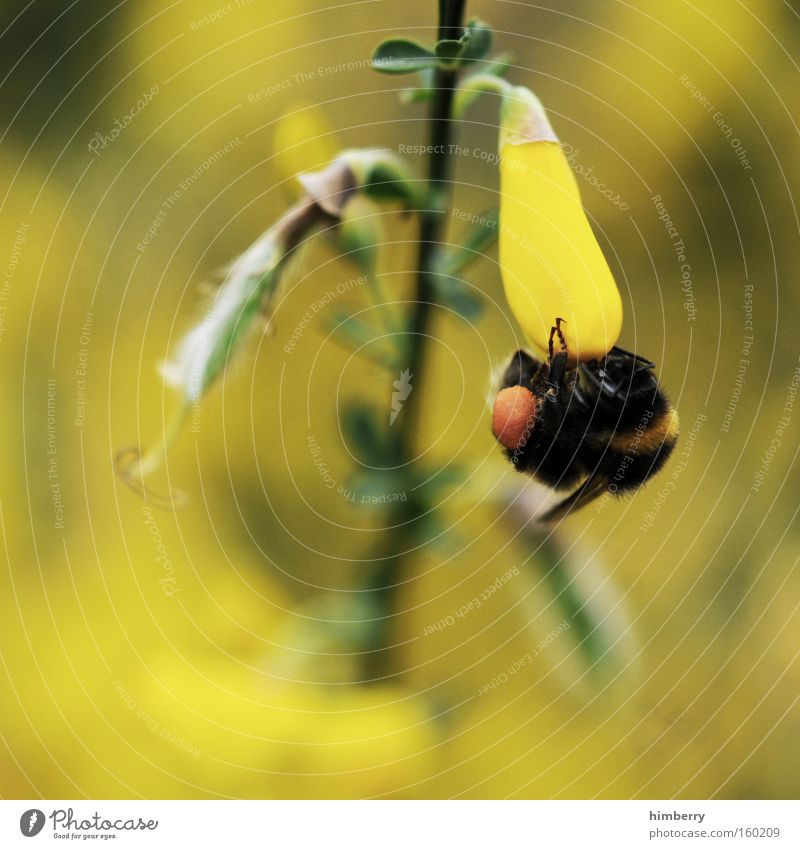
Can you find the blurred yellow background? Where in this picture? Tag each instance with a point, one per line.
(147, 653)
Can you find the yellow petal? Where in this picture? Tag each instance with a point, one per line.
(551, 263)
(304, 141)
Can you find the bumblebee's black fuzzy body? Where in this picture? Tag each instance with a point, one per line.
(604, 425)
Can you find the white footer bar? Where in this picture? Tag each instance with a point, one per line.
(402, 824)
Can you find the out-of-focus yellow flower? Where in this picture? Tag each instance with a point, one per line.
(550, 260)
(304, 141)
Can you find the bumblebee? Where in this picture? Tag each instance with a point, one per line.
(603, 426)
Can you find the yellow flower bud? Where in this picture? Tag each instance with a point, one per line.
(550, 261)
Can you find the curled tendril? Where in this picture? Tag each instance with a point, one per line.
(131, 467)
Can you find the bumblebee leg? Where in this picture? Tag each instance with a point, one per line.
(557, 363)
(593, 487)
(561, 339)
(556, 331)
(617, 350)
(521, 370)
(578, 395)
(590, 375)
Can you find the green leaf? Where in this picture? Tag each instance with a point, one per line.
(588, 626)
(359, 335)
(457, 295)
(402, 56)
(360, 233)
(244, 297)
(378, 487)
(423, 91)
(498, 65)
(432, 531)
(450, 48)
(382, 182)
(480, 40)
(365, 438)
(474, 45)
(383, 175)
(480, 235)
(435, 484)
(467, 93)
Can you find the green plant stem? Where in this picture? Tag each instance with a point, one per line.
(433, 221)
(587, 631)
